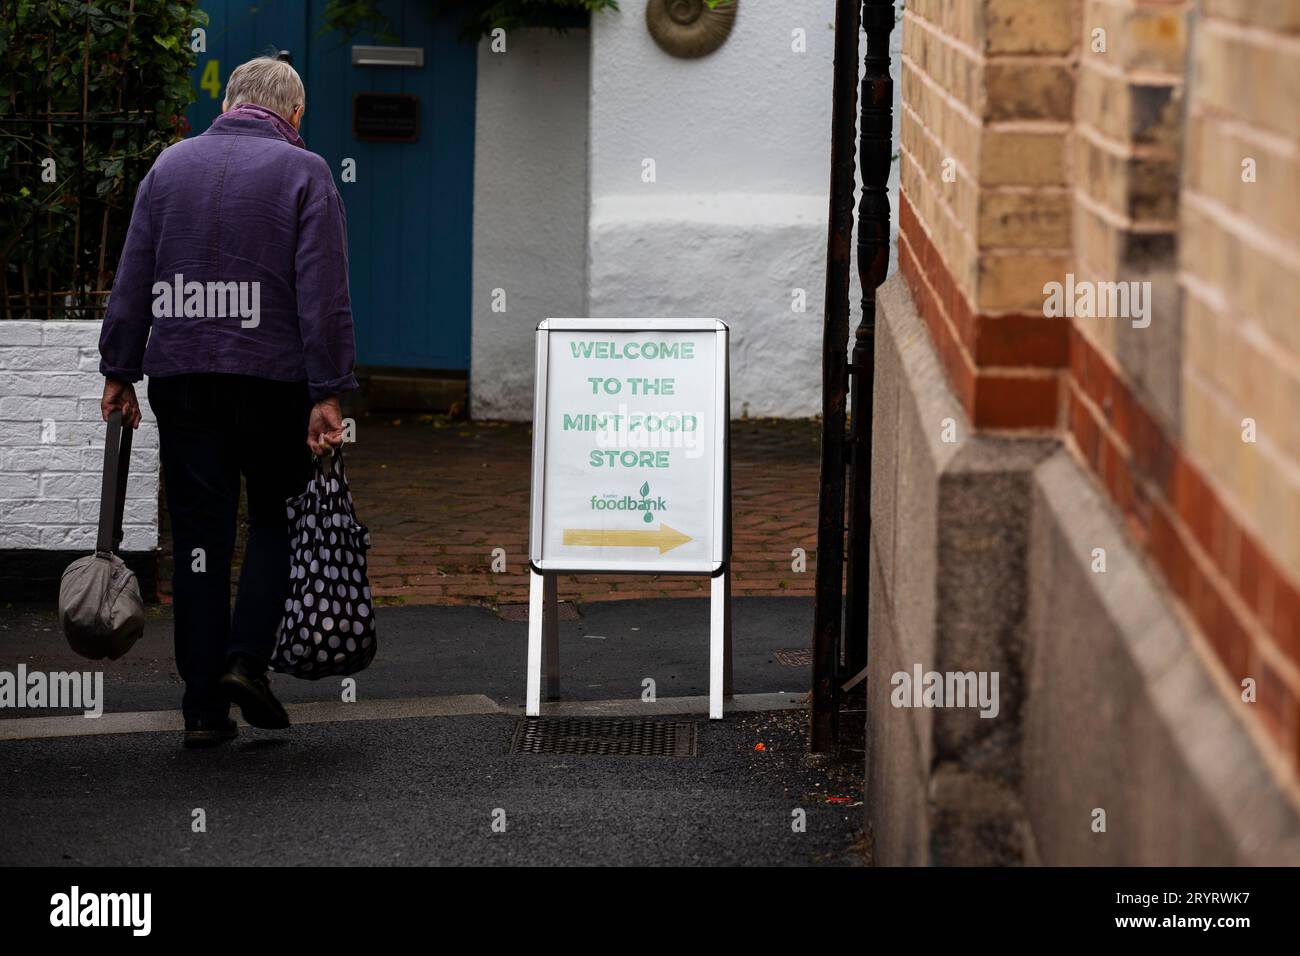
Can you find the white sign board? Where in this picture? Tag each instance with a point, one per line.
(630, 446)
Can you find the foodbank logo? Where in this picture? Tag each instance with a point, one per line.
(646, 504)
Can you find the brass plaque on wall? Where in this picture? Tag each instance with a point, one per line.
(386, 117)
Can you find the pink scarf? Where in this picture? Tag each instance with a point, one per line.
(282, 125)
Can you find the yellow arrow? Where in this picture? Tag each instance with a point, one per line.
(664, 538)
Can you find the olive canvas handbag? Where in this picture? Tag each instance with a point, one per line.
(99, 598)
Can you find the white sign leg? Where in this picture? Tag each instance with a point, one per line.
(726, 637)
(717, 643)
(551, 616)
(533, 698)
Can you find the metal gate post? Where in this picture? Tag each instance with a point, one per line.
(824, 711)
(876, 155)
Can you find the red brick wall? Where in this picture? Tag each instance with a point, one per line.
(1246, 606)
(1003, 368)
(985, 210)
(1140, 194)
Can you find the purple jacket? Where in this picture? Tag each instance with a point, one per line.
(235, 261)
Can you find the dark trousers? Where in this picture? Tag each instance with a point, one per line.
(212, 429)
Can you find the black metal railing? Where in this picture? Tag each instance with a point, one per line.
(839, 645)
(74, 149)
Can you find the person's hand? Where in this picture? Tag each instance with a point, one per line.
(120, 397)
(325, 427)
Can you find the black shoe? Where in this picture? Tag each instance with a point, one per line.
(246, 684)
(209, 731)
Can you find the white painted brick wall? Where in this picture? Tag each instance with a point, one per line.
(49, 490)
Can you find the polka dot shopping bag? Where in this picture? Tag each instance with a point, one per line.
(328, 628)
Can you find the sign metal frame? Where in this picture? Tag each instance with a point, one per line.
(543, 611)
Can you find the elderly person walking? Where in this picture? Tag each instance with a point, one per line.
(232, 296)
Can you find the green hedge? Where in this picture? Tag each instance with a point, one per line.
(89, 95)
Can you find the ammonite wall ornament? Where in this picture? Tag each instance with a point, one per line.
(689, 28)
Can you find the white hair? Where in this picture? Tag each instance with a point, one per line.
(266, 82)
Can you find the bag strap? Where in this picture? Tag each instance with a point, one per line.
(331, 466)
(112, 495)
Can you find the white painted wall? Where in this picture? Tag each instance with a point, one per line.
(49, 490)
(734, 223)
(752, 117)
(732, 256)
(736, 219)
(530, 208)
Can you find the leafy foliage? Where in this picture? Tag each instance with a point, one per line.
(99, 90)
(477, 17)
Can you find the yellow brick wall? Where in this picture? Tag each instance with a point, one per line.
(988, 86)
(1125, 157)
(1106, 138)
(1240, 264)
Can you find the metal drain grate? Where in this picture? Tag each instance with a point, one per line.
(519, 612)
(795, 657)
(604, 736)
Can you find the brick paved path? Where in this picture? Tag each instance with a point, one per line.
(439, 496)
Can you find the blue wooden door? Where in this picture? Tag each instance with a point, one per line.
(410, 209)
(237, 31)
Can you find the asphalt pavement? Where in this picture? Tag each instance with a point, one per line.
(368, 783)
